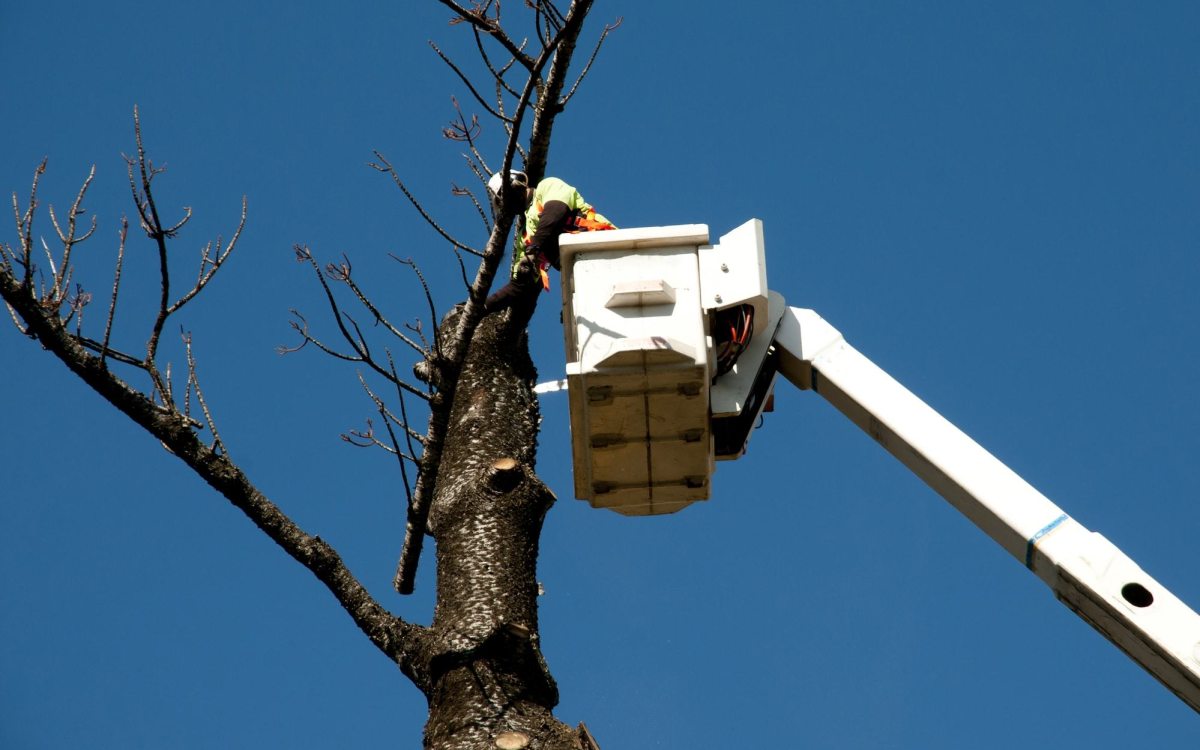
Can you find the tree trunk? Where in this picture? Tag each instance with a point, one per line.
(490, 686)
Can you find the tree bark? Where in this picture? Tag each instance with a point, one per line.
(489, 680)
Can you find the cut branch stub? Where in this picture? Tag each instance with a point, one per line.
(505, 474)
(512, 741)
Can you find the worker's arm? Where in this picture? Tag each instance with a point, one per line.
(552, 223)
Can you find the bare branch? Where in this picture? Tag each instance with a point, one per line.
(48, 298)
(143, 197)
(209, 265)
(68, 238)
(112, 304)
(470, 86)
(361, 354)
(462, 269)
(6, 257)
(419, 330)
(461, 130)
(468, 132)
(498, 75)
(366, 439)
(25, 229)
(386, 167)
(193, 383)
(387, 414)
(76, 303)
(106, 352)
(13, 313)
(466, 193)
(491, 27)
(409, 434)
(306, 338)
(428, 299)
(401, 641)
(595, 51)
(342, 273)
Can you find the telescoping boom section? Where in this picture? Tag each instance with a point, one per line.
(673, 345)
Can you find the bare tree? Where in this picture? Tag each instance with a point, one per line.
(473, 485)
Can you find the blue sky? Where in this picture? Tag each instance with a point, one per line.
(996, 202)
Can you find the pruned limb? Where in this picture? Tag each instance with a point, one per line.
(112, 304)
(505, 474)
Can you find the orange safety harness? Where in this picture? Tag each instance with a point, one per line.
(582, 220)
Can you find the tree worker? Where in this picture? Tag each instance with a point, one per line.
(550, 209)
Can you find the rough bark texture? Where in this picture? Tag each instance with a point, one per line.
(487, 672)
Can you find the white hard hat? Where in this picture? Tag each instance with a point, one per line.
(515, 177)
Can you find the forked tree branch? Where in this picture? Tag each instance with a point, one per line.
(356, 340)
(404, 643)
(491, 27)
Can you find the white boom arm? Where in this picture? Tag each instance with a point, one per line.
(1086, 572)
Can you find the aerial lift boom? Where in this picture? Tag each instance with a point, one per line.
(650, 413)
(1086, 571)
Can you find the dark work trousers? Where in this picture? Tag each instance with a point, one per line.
(520, 293)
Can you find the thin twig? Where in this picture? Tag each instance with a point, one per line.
(194, 383)
(409, 434)
(359, 345)
(470, 86)
(492, 29)
(387, 168)
(342, 273)
(437, 346)
(112, 305)
(384, 411)
(209, 265)
(68, 238)
(595, 51)
(25, 227)
(152, 224)
(498, 75)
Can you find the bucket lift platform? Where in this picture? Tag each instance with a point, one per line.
(637, 305)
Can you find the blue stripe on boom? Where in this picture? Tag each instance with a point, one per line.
(1033, 540)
